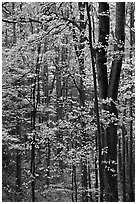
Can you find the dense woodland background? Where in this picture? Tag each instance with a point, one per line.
(68, 101)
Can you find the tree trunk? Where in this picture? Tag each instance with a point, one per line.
(96, 170)
(89, 182)
(18, 176)
(14, 25)
(111, 171)
(80, 55)
(131, 173)
(33, 156)
(33, 124)
(123, 161)
(100, 158)
(110, 91)
(59, 106)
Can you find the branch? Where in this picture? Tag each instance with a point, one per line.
(75, 82)
(22, 21)
(67, 19)
(72, 21)
(55, 28)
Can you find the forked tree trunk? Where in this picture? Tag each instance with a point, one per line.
(109, 90)
(111, 172)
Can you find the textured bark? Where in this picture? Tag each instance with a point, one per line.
(81, 6)
(131, 159)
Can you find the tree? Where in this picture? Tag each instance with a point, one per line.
(68, 101)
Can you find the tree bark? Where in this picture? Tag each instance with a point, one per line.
(101, 176)
(131, 160)
(111, 171)
(18, 176)
(33, 124)
(81, 6)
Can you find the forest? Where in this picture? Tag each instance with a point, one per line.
(68, 102)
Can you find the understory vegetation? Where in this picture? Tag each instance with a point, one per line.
(68, 102)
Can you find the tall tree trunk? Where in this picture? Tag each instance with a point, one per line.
(46, 116)
(111, 171)
(80, 55)
(102, 76)
(59, 105)
(110, 91)
(131, 173)
(33, 124)
(101, 174)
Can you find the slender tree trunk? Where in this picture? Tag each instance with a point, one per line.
(18, 167)
(96, 169)
(72, 185)
(75, 182)
(123, 161)
(101, 176)
(18, 176)
(33, 156)
(131, 173)
(33, 124)
(89, 182)
(80, 55)
(48, 163)
(14, 25)
(59, 106)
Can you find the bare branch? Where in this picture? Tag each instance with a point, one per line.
(22, 21)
